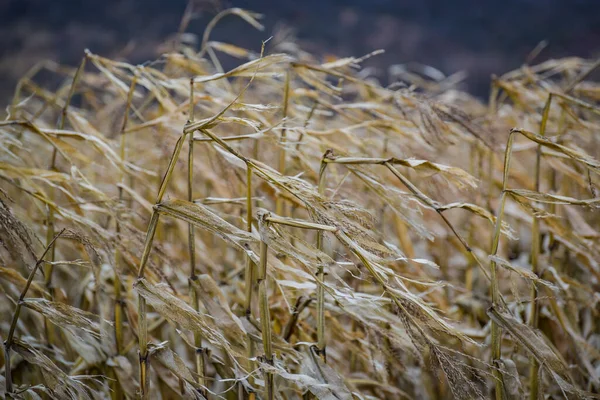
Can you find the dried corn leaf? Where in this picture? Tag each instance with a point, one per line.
(59, 384)
(63, 314)
(532, 340)
(176, 310)
(177, 366)
(552, 198)
(202, 217)
(522, 272)
(216, 305)
(12, 276)
(482, 212)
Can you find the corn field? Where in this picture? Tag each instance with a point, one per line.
(294, 229)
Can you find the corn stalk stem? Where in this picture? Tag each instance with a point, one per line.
(250, 271)
(282, 152)
(535, 251)
(50, 232)
(195, 303)
(473, 153)
(142, 318)
(496, 338)
(321, 342)
(13, 325)
(265, 315)
(118, 306)
(320, 271)
(143, 353)
(50, 218)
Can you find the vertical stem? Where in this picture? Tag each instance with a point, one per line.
(282, 152)
(61, 125)
(265, 315)
(199, 352)
(191, 232)
(250, 269)
(495, 291)
(495, 294)
(49, 268)
(535, 251)
(118, 307)
(143, 341)
(490, 179)
(471, 238)
(492, 107)
(13, 325)
(249, 278)
(142, 320)
(321, 343)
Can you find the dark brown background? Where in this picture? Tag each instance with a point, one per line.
(480, 37)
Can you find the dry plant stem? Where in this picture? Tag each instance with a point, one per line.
(195, 303)
(49, 269)
(582, 76)
(118, 308)
(25, 79)
(142, 319)
(492, 106)
(250, 267)
(262, 285)
(496, 339)
(282, 141)
(250, 272)
(535, 251)
(207, 31)
(474, 151)
(13, 325)
(143, 342)
(495, 293)
(301, 304)
(306, 122)
(321, 344)
(119, 303)
(490, 179)
(577, 102)
(61, 125)
(265, 315)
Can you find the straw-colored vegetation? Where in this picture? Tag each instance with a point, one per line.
(292, 229)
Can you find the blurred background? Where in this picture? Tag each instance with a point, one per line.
(476, 36)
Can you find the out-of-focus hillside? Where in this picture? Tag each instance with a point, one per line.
(480, 37)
